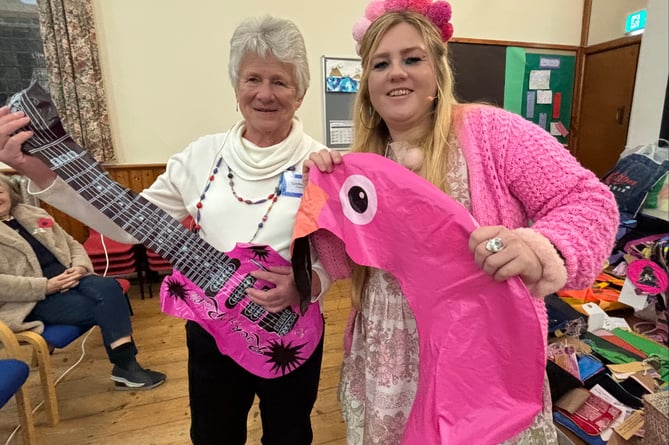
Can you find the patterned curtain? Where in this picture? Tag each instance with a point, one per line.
(75, 79)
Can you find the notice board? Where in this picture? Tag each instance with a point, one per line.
(535, 83)
(341, 77)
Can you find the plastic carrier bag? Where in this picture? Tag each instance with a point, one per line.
(635, 174)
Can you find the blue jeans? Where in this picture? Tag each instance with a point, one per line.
(95, 301)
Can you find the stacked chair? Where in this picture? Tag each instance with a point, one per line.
(156, 266)
(113, 259)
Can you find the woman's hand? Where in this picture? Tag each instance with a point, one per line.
(284, 293)
(515, 258)
(78, 271)
(65, 281)
(323, 160)
(10, 143)
(11, 140)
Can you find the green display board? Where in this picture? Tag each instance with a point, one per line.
(539, 86)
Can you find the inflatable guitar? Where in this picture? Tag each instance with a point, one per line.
(207, 286)
(482, 343)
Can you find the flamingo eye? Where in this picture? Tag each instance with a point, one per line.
(358, 199)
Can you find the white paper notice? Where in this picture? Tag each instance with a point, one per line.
(629, 296)
(341, 132)
(540, 79)
(544, 97)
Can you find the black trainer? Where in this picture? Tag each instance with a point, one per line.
(136, 378)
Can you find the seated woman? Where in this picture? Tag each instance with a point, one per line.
(46, 277)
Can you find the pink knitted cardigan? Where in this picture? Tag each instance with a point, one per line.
(521, 176)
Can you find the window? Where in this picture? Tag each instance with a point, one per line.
(21, 52)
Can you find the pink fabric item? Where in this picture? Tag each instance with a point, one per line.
(482, 343)
(554, 274)
(332, 250)
(511, 185)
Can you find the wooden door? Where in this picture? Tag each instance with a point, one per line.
(606, 102)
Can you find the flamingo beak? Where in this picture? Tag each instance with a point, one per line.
(313, 201)
(306, 223)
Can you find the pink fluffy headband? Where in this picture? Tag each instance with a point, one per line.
(438, 12)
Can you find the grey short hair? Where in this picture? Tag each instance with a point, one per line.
(11, 188)
(273, 36)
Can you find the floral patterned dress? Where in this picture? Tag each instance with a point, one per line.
(380, 373)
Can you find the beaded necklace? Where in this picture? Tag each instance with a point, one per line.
(271, 198)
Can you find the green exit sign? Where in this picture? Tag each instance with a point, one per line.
(635, 22)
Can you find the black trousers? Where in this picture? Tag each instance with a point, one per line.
(221, 394)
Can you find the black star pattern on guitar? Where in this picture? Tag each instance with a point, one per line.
(176, 289)
(284, 357)
(260, 252)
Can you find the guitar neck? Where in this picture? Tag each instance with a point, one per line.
(193, 257)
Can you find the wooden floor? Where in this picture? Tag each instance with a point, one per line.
(93, 413)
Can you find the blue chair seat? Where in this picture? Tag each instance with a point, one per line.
(61, 335)
(13, 374)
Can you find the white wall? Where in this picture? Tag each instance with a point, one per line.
(607, 21)
(165, 61)
(538, 21)
(651, 78)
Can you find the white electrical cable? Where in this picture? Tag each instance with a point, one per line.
(104, 249)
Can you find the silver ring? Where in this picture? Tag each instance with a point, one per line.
(494, 245)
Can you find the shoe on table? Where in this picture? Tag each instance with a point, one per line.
(136, 378)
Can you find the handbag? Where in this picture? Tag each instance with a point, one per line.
(634, 175)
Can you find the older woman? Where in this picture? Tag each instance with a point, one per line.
(47, 277)
(238, 186)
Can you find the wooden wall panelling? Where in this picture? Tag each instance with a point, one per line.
(136, 177)
(120, 175)
(72, 226)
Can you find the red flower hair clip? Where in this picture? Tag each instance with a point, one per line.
(439, 12)
(45, 223)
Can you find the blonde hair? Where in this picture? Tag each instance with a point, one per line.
(372, 134)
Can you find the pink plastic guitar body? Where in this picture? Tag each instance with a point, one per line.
(266, 344)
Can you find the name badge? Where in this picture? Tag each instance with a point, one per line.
(291, 184)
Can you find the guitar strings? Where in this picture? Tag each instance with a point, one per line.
(68, 162)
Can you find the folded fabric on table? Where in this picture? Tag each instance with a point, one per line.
(565, 421)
